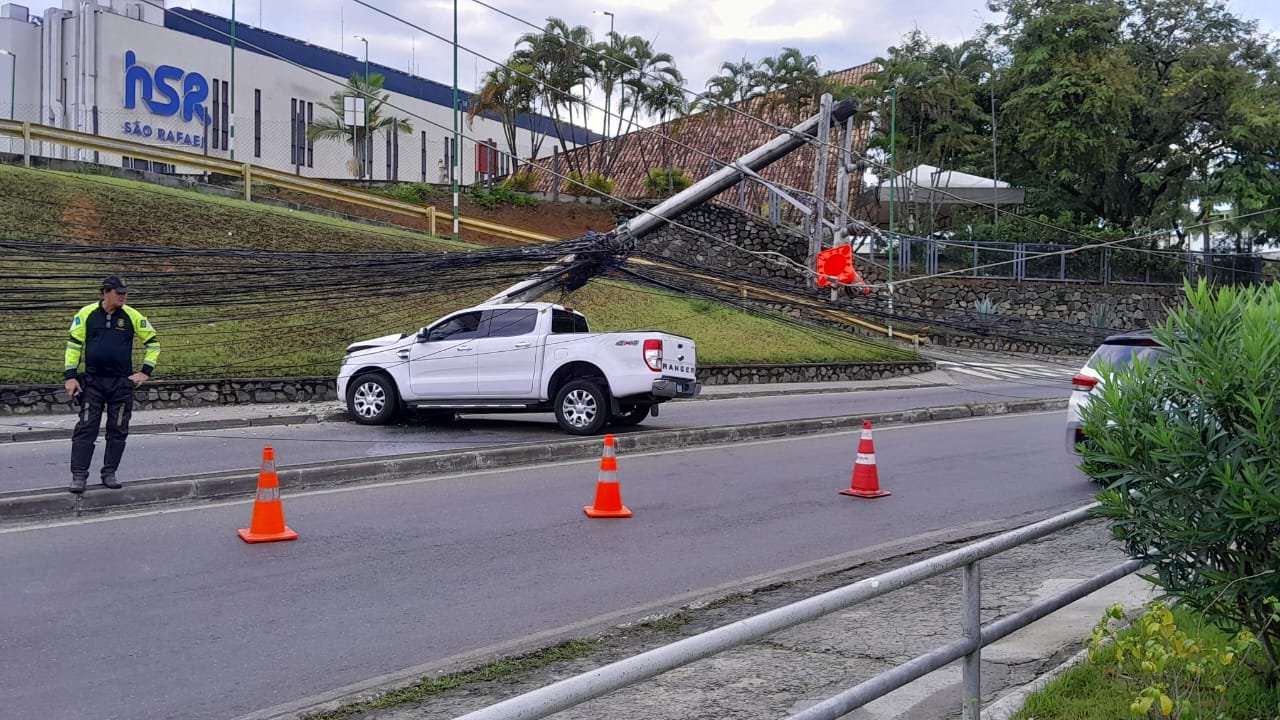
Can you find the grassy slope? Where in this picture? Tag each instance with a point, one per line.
(98, 211)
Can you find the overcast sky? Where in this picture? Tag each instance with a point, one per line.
(699, 34)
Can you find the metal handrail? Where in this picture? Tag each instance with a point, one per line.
(32, 132)
(586, 686)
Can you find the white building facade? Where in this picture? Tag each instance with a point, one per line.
(138, 71)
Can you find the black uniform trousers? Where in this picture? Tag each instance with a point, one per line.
(114, 395)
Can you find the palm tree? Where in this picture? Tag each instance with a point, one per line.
(648, 71)
(736, 83)
(358, 136)
(508, 91)
(556, 56)
(791, 79)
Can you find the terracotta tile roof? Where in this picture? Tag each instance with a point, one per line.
(721, 134)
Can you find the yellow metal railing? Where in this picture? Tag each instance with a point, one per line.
(31, 133)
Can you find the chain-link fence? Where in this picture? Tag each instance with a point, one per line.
(915, 257)
(311, 144)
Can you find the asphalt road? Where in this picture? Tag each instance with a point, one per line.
(167, 614)
(32, 465)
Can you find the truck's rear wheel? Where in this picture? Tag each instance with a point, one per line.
(631, 415)
(582, 408)
(372, 399)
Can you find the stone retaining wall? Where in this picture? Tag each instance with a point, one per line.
(807, 372)
(42, 399)
(48, 399)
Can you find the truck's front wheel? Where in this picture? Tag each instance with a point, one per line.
(372, 399)
(582, 408)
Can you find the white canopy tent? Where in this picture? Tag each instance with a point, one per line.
(928, 191)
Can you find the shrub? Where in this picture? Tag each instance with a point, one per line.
(416, 193)
(1188, 454)
(661, 182)
(491, 198)
(593, 182)
(521, 181)
(1172, 661)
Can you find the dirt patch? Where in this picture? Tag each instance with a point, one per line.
(561, 220)
(81, 219)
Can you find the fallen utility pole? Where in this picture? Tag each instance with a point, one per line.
(572, 271)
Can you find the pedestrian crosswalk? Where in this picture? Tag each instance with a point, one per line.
(1008, 370)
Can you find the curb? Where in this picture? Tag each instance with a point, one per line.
(341, 415)
(1012, 702)
(57, 503)
(63, 433)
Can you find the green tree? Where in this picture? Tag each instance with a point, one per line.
(359, 137)
(1127, 110)
(1186, 452)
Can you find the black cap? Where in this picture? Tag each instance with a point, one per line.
(114, 282)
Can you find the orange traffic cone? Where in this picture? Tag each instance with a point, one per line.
(608, 494)
(267, 524)
(866, 481)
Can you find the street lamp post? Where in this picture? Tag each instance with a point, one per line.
(455, 161)
(893, 183)
(231, 129)
(13, 83)
(608, 116)
(366, 164)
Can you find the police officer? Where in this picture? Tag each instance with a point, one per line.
(103, 334)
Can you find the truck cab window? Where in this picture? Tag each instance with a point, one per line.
(458, 327)
(511, 322)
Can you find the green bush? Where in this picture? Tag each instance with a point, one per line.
(521, 182)
(1188, 453)
(593, 182)
(491, 198)
(661, 182)
(416, 193)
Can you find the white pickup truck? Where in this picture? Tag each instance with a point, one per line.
(519, 357)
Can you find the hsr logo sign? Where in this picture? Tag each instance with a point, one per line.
(194, 89)
(186, 98)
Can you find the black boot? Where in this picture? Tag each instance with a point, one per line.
(109, 480)
(77, 483)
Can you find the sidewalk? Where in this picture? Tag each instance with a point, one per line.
(797, 668)
(20, 428)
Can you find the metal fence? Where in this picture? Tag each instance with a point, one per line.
(1112, 265)
(973, 634)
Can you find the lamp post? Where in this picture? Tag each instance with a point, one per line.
(455, 161)
(13, 83)
(366, 166)
(608, 116)
(893, 183)
(231, 129)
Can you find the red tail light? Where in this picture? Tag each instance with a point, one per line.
(653, 354)
(1083, 382)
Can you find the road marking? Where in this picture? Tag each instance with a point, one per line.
(1005, 371)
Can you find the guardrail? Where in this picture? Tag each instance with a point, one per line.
(31, 133)
(974, 635)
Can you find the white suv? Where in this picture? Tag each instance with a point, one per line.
(1116, 351)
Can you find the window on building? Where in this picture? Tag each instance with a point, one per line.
(301, 148)
(448, 160)
(130, 163)
(224, 108)
(217, 116)
(423, 159)
(257, 123)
